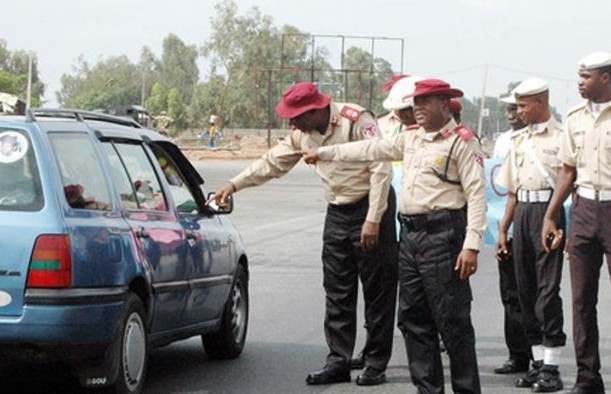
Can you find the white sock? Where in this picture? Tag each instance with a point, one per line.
(552, 355)
(538, 352)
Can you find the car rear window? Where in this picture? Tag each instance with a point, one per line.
(20, 188)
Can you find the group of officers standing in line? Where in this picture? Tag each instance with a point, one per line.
(442, 215)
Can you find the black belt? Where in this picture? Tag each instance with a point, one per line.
(430, 221)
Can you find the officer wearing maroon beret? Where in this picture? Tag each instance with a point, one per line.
(455, 110)
(359, 238)
(586, 159)
(440, 238)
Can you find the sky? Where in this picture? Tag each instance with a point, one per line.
(466, 42)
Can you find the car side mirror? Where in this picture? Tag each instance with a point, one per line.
(219, 209)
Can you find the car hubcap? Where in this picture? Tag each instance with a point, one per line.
(134, 351)
(238, 312)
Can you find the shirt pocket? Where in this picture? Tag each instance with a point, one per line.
(607, 140)
(549, 157)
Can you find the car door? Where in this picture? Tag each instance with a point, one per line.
(162, 240)
(212, 257)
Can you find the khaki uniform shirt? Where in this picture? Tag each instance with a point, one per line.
(587, 146)
(423, 154)
(344, 183)
(388, 124)
(519, 170)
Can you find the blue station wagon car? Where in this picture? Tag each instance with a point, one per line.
(108, 249)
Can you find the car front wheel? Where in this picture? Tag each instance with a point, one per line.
(228, 342)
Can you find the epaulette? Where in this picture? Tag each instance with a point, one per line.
(414, 126)
(576, 108)
(465, 133)
(518, 132)
(350, 113)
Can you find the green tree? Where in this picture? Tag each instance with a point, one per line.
(205, 101)
(149, 69)
(178, 67)
(158, 100)
(365, 78)
(176, 111)
(14, 74)
(109, 84)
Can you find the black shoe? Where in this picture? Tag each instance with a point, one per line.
(531, 376)
(548, 381)
(512, 366)
(371, 377)
(328, 375)
(586, 390)
(357, 363)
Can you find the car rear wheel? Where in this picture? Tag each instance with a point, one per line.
(228, 342)
(131, 349)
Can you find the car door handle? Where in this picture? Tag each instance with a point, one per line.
(142, 233)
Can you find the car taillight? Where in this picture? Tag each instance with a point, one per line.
(51, 264)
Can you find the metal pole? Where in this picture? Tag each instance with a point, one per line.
(312, 57)
(28, 100)
(481, 104)
(371, 72)
(269, 109)
(344, 75)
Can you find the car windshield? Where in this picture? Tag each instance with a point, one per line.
(20, 188)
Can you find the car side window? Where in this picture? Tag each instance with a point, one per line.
(179, 189)
(83, 180)
(141, 176)
(20, 187)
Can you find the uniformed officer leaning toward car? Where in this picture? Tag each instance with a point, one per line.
(440, 238)
(359, 238)
(529, 174)
(586, 156)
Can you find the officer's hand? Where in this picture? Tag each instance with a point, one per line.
(550, 235)
(466, 263)
(501, 247)
(222, 194)
(310, 156)
(370, 233)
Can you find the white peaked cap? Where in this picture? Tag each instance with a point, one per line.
(403, 87)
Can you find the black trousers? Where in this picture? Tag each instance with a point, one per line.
(538, 276)
(589, 240)
(343, 263)
(434, 301)
(515, 336)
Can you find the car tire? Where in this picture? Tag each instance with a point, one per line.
(131, 349)
(228, 342)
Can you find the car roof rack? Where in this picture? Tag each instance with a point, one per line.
(33, 114)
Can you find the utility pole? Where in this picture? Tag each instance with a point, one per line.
(481, 104)
(28, 99)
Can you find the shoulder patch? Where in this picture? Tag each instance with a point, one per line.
(465, 133)
(350, 113)
(370, 130)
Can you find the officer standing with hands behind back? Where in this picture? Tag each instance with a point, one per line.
(359, 237)
(586, 159)
(440, 238)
